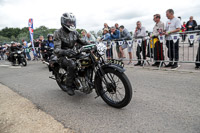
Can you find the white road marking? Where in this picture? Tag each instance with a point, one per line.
(4, 65)
(15, 67)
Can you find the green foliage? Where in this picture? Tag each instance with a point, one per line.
(79, 31)
(16, 34)
(99, 33)
(4, 40)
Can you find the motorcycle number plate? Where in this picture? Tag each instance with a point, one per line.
(15, 54)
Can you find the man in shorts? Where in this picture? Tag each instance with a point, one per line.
(125, 35)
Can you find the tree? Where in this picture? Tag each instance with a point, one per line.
(99, 33)
(4, 40)
(23, 36)
(93, 33)
(13, 39)
(131, 33)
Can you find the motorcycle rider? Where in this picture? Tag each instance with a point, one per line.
(14, 47)
(49, 43)
(64, 40)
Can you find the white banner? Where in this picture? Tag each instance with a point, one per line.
(112, 43)
(130, 43)
(139, 42)
(105, 43)
(161, 38)
(175, 37)
(120, 42)
(192, 37)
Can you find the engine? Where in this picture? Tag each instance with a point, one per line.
(83, 85)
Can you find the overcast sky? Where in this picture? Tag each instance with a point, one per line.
(91, 14)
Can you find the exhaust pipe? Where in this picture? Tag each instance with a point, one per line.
(45, 62)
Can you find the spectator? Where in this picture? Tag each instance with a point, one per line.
(49, 41)
(83, 33)
(117, 26)
(125, 35)
(115, 34)
(150, 46)
(37, 47)
(198, 57)
(106, 37)
(26, 49)
(179, 18)
(1, 53)
(5, 47)
(190, 26)
(183, 29)
(35, 56)
(90, 38)
(173, 25)
(42, 44)
(158, 46)
(106, 26)
(140, 32)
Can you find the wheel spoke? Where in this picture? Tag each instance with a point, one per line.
(119, 94)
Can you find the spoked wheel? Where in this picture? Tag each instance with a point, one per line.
(60, 79)
(24, 62)
(115, 88)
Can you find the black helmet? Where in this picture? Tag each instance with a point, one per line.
(68, 21)
(49, 35)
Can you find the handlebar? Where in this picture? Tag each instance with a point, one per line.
(87, 48)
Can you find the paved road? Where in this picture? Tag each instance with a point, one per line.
(163, 101)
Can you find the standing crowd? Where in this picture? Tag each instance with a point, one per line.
(154, 47)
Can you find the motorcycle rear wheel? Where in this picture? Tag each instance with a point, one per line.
(60, 80)
(24, 62)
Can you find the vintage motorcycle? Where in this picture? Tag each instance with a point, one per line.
(93, 72)
(18, 58)
(47, 53)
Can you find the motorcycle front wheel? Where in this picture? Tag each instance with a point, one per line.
(114, 88)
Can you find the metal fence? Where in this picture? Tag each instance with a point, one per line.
(178, 50)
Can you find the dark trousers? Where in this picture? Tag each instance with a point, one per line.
(142, 49)
(70, 66)
(158, 52)
(38, 52)
(109, 52)
(149, 51)
(2, 55)
(173, 50)
(198, 56)
(191, 44)
(183, 37)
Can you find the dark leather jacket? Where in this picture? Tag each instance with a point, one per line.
(67, 40)
(14, 48)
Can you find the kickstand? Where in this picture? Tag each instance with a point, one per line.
(52, 77)
(96, 97)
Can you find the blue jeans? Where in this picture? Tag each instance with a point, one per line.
(28, 55)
